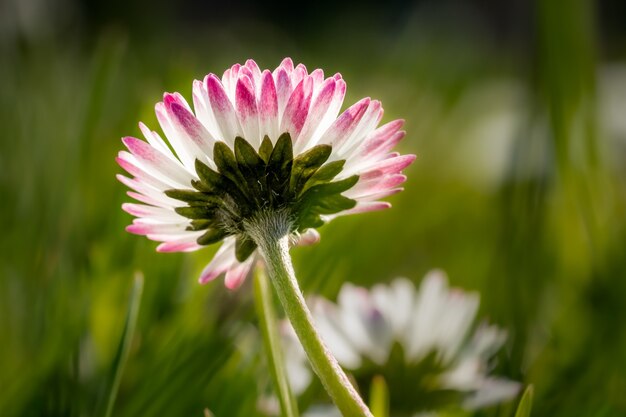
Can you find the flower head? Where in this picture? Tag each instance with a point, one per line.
(421, 341)
(258, 142)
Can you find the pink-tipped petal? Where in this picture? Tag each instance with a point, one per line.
(310, 237)
(268, 107)
(283, 90)
(345, 124)
(155, 162)
(154, 195)
(246, 73)
(373, 186)
(186, 150)
(229, 80)
(286, 64)
(380, 194)
(153, 229)
(368, 122)
(391, 165)
(385, 146)
(298, 74)
(319, 108)
(188, 126)
(200, 102)
(170, 98)
(182, 153)
(330, 116)
(318, 78)
(255, 71)
(178, 246)
(223, 110)
(155, 140)
(123, 160)
(221, 262)
(367, 206)
(142, 210)
(146, 199)
(297, 109)
(382, 139)
(236, 275)
(245, 102)
(381, 183)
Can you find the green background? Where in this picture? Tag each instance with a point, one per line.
(516, 111)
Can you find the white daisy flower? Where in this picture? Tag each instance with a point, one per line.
(425, 335)
(257, 141)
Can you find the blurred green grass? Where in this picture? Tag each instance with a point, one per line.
(518, 192)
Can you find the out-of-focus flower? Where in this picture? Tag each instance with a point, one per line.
(611, 103)
(423, 342)
(258, 142)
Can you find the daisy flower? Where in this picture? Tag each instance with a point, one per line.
(423, 341)
(257, 142)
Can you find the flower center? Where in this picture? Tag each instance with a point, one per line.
(248, 183)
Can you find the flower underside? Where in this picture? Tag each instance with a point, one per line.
(248, 183)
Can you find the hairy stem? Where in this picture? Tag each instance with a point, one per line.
(271, 234)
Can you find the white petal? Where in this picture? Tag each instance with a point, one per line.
(492, 391)
(184, 244)
(238, 272)
(429, 304)
(247, 112)
(366, 125)
(158, 196)
(129, 163)
(326, 319)
(223, 111)
(155, 140)
(221, 262)
(283, 91)
(156, 163)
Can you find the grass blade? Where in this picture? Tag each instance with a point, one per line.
(379, 397)
(271, 340)
(125, 343)
(526, 403)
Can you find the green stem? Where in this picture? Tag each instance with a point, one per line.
(271, 236)
(271, 340)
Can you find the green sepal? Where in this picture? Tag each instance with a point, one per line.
(265, 150)
(226, 163)
(334, 204)
(201, 186)
(251, 166)
(326, 198)
(280, 164)
(244, 248)
(197, 212)
(200, 224)
(209, 179)
(247, 157)
(309, 221)
(191, 197)
(330, 188)
(217, 182)
(325, 174)
(306, 164)
(212, 236)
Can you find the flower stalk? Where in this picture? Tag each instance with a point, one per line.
(271, 234)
